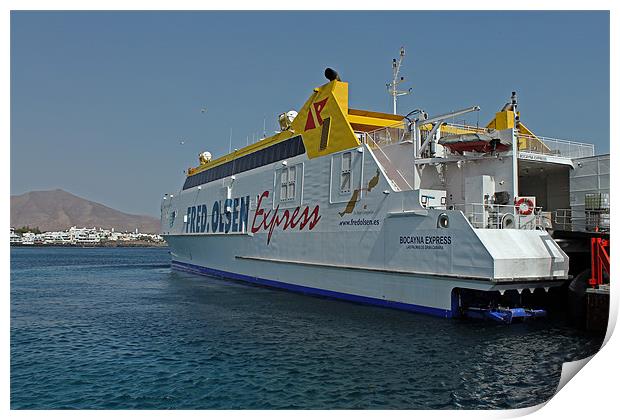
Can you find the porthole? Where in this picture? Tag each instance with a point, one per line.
(443, 221)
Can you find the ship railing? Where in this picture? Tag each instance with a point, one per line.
(462, 129)
(496, 216)
(390, 168)
(536, 144)
(549, 146)
(389, 135)
(399, 134)
(554, 147)
(582, 221)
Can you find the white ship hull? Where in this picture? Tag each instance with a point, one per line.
(321, 209)
(404, 261)
(421, 293)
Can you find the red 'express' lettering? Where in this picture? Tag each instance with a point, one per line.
(263, 221)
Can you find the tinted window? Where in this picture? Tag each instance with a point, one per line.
(280, 151)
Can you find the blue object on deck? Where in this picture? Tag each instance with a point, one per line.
(504, 315)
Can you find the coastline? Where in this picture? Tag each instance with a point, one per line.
(106, 244)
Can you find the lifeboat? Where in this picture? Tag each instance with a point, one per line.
(474, 142)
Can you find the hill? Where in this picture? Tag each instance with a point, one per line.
(59, 210)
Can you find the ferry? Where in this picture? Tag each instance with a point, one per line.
(413, 212)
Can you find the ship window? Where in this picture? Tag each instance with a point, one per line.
(288, 177)
(292, 177)
(345, 173)
(324, 134)
(284, 183)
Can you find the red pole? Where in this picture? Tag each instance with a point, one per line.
(592, 279)
(599, 260)
(599, 263)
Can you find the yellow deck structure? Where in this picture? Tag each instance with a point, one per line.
(328, 125)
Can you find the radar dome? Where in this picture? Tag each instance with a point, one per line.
(286, 119)
(204, 157)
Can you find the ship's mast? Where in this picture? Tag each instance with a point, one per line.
(396, 80)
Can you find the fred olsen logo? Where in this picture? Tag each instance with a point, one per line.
(230, 215)
(315, 120)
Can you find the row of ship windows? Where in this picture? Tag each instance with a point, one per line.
(288, 176)
(280, 151)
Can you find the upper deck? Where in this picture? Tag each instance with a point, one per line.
(325, 125)
(539, 171)
(529, 146)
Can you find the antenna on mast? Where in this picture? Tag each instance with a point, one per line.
(396, 80)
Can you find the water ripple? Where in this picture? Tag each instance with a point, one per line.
(116, 329)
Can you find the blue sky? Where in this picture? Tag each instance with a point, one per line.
(100, 100)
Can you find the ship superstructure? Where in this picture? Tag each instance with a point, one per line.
(406, 211)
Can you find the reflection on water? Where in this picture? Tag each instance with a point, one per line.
(115, 328)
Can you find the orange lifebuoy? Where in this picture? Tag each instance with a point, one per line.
(524, 206)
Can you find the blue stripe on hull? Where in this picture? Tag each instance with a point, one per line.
(192, 268)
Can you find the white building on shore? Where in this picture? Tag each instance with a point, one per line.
(15, 238)
(81, 236)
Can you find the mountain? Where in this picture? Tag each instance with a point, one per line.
(59, 210)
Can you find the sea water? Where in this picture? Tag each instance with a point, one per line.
(116, 328)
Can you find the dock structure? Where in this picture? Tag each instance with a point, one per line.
(597, 308)
(583, 231)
